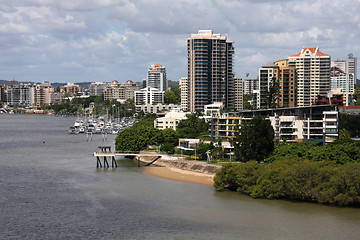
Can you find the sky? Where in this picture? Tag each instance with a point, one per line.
(104, 40)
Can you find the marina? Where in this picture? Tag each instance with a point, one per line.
(100, 125)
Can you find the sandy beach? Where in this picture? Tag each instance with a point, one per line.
(180, 175)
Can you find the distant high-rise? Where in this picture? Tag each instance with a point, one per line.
(210, 70)
(183, 84)
(250, 85)
(287, 83)
(351, 66)
(313, 75)
(238, 93)
(156, 78)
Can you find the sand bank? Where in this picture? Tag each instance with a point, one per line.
(182, 170)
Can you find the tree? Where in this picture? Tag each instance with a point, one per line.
(173, 95)
(246, 103)
(170, 140)
(272, 95)
(192, 127)
(254, 140)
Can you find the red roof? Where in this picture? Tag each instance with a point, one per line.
(157, 65)
(114, 81)
(313, 50)
(321, 54)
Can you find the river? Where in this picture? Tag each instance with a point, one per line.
(50, 189)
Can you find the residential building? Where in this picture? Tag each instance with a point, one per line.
(213, 109)
(120, 91)
(312, 123)
(2, 94)
(183, 84)
(351, 65)
(155, 108)
(72, 88)
(346, 96)
(313, 75)
(42, 93)
(267, 74)
(149, 96)
(238, 93)
(21, 95)
(97, 88)
(250, 85)
(56, 97)
(210, 70)
(156, 77)
(287, 84)
(342, 80)
(171, 120)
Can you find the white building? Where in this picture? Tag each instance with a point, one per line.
(314, 123)
(97, 88)
(155, 108)
(20, 95)
(171, 120)
(313, 75)
(183, 84)
(156, 77)
(149, 96)
(213, 109)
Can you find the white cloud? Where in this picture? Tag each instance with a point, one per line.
(93, 40)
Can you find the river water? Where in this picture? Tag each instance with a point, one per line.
(50, 189)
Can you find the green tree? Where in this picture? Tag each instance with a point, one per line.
(192, 127)
(272, 95)
(170, 140)
(172, 96)
(246, 103)
(254, 140)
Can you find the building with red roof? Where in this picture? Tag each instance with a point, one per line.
(313, 75)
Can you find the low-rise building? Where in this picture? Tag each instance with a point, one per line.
(149, 96)
(122, 91)
(171, 120)
(72, 88)
(155, 108)
(313, 123)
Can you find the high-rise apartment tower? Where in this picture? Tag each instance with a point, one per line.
(313, 75)
(156, 77)
(210, 70)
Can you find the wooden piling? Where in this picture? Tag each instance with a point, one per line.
(98, 163)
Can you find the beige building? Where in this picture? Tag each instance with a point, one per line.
(238, 93)
(287, 83)
(183, 84)
(171, 120)
(72, 88)
(42, 94)
(123, 91)
(313, 75)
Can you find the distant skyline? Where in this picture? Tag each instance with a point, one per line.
(104, 40)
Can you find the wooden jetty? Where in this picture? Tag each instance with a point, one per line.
(105, 153)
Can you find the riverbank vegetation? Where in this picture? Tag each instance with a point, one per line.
(304, 171)
(299, 171)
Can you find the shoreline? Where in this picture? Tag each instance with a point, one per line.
(181, 170)
(179, 175)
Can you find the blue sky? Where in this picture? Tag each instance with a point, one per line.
(103, 40)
